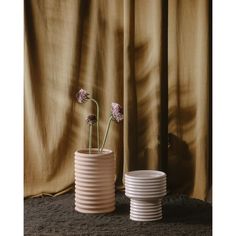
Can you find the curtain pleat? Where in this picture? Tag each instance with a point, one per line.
(188, 95)
(114, 50)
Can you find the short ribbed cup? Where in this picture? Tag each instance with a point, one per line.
(94, 181)
(145, 188)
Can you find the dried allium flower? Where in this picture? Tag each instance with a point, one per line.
(117, 112)
(91, 119)
(82, 96)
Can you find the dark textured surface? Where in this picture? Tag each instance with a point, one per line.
(56, 216)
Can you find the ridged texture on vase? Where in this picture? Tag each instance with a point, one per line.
(145, 211)
(94, 181)
(145, 188)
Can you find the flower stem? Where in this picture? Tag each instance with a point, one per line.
(90, 137)
(98, 138)
(105, 137)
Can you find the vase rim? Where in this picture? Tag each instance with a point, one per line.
(153, 175)
(94, 152)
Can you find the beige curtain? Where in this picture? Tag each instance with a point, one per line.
(113, 49)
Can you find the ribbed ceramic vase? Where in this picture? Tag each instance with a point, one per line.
(94, 181)
(145, 188)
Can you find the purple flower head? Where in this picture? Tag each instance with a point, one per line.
(82, 96)
(91, 119)
(117, 112)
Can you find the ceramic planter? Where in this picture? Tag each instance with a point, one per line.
(94, 181)
(145, 188)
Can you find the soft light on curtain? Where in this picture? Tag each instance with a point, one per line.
(113, 49)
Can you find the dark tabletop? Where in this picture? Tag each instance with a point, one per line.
(56, 216)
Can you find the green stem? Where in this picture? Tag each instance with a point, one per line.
(98, 137)
(105, 137)
(90, 137)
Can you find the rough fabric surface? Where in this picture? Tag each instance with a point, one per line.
(56, 216)
(113, 49)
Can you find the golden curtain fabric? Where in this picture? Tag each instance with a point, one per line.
(112, 48)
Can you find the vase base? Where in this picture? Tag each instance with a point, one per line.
(98, 211)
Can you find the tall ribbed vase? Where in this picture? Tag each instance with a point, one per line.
(94, 181)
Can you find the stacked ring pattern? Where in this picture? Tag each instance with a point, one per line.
(145, 188)
(94, 181)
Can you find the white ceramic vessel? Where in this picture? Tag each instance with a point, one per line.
(94, 181)
(145, 188)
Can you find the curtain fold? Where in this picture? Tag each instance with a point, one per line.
(113, 49)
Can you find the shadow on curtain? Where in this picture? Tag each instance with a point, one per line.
(142, 54)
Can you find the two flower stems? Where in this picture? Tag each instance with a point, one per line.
(98, 136)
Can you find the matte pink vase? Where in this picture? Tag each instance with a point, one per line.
(94, 181)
